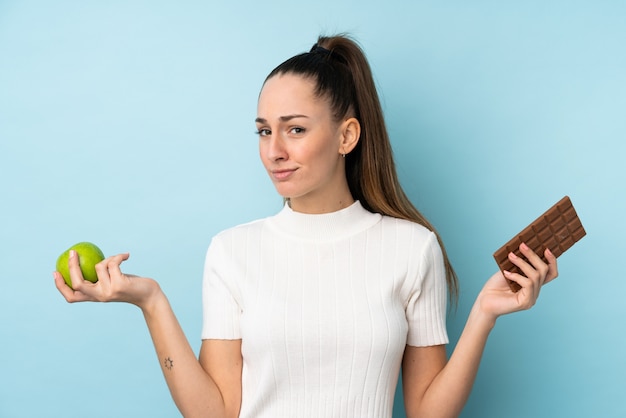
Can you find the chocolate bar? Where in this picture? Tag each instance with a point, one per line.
(557, 229)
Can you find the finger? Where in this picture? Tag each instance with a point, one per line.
(537, 262)
(102, 272)
(531, 265)
(68, 293)
(110, 267)
(76, 275)
(115, 262)
(530, 281)
(553, 270)
(528, 293)
(62, 287)
(521, 280)
(527, 270)
(108, 271)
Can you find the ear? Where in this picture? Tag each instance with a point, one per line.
(350, 135)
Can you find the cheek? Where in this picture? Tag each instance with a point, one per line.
(324, 149)
(263, 154)
(325, 156)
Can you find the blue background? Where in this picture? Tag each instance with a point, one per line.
(130, 124)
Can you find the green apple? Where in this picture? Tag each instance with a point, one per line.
(88, 256)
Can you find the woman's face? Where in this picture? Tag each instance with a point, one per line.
(301, 144)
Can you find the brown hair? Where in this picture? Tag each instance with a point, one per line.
(342, 74)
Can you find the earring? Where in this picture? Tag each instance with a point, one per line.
(343, 155)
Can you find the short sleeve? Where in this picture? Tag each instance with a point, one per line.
(426, 308)
(221, 307)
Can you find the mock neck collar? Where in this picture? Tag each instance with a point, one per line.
(326, 226)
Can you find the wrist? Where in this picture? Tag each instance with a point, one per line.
(153, 299)
(481, 317)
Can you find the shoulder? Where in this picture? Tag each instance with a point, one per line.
(408, 230)
(413, 242)
(241, 229)
(231, 247)
(230, 238)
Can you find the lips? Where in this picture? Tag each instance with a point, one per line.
(283, 174)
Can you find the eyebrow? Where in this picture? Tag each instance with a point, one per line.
(282, 118)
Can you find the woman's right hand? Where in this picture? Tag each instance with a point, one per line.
(112, 284)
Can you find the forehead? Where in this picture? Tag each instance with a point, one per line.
(287, 94)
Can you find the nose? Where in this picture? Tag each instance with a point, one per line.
(275, 148)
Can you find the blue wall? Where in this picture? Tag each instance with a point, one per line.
(130, 124)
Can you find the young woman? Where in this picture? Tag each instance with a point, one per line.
(314, 311)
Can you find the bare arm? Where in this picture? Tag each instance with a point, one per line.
(434, 388)
(210, 387)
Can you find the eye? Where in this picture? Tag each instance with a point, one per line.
(263, 132)
(297, 130)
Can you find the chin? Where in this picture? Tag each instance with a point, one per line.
(284, 193)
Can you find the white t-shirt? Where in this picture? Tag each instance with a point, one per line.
(324, 305)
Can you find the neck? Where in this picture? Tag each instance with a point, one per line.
(310, 206)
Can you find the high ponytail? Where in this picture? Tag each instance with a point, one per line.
(342, 73)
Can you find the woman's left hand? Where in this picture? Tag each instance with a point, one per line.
(497, 298)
